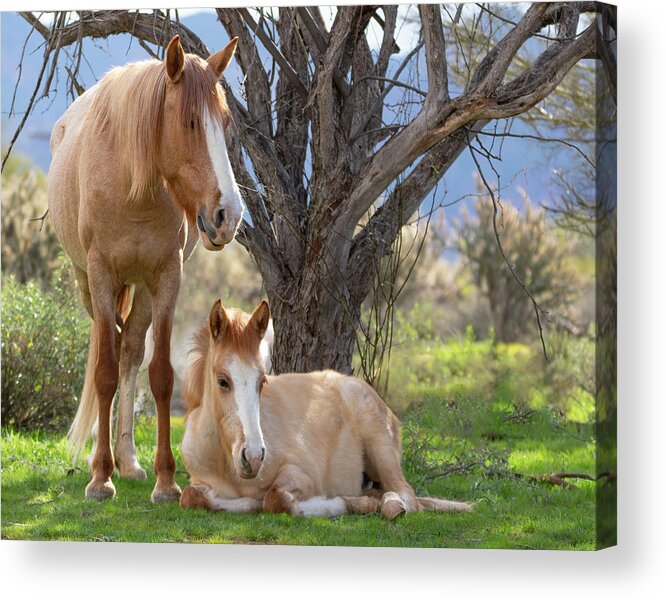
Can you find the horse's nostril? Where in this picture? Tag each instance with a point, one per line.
(219, 217)
(263, 454)
(200, 223)
(244, 460)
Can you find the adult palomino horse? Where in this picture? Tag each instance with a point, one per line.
(294, 443)
(138, 160)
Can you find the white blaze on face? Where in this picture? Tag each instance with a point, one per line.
(231, 200)
(245, 379)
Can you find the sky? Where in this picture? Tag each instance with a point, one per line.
(525, 166)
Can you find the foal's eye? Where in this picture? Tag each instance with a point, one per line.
(192, 124)
(224, 384)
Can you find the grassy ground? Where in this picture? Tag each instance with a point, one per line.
(458, 444)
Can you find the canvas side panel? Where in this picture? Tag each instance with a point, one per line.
(606, 276)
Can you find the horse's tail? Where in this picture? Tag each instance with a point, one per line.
(124, 302)
(86, 414)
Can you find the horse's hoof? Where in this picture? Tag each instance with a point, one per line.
(392, 506)
(165, 494)
(134, 472)
(100, 490)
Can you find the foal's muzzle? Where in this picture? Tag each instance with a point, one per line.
(251, 462)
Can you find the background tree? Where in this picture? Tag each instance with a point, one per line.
(541, 259)
(319, 146)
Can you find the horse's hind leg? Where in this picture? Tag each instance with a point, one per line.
(381, 445)
(132, 347)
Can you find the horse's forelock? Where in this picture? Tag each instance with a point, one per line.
(200, 92)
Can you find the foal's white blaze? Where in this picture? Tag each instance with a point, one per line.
(245, 379)
(231, 200)
(266, 347)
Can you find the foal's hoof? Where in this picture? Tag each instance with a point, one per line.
(100, 490)
(392, 506)
(362, 505)
(165, 494)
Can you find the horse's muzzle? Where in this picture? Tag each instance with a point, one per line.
(215, 235)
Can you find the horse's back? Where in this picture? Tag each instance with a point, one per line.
(63, 179)
(71, 122)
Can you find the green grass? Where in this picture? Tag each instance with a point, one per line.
(42, 496)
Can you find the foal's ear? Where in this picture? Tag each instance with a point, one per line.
(259, 319)
(218, 320)
(220, 60)
(175, 59)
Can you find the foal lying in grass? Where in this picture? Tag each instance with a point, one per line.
(295, 443)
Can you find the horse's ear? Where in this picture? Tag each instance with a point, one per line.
(220, 60)
(260, 318)
(218, 320)
(175, 59)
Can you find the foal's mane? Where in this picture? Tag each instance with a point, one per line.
(129, 107)
(235, 336)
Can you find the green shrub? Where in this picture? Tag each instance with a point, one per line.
(540, 256)
(513, 378)
(29, 244)
(44, 351)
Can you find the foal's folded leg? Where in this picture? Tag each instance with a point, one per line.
(294, 494)
(198, 496)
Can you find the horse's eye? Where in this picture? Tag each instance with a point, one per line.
(192, 124)
(224, 384)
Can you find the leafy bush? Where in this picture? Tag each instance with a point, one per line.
(44, 351)
(29, 244)
(541, 257)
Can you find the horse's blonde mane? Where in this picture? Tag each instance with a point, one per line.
(129, 107)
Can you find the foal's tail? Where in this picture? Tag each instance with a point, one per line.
(441, 505)
(86, 414)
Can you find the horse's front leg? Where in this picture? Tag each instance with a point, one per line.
(105, 376)
(198, 496)
(160, 373)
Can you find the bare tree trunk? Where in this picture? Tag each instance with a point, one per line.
(314, 334)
